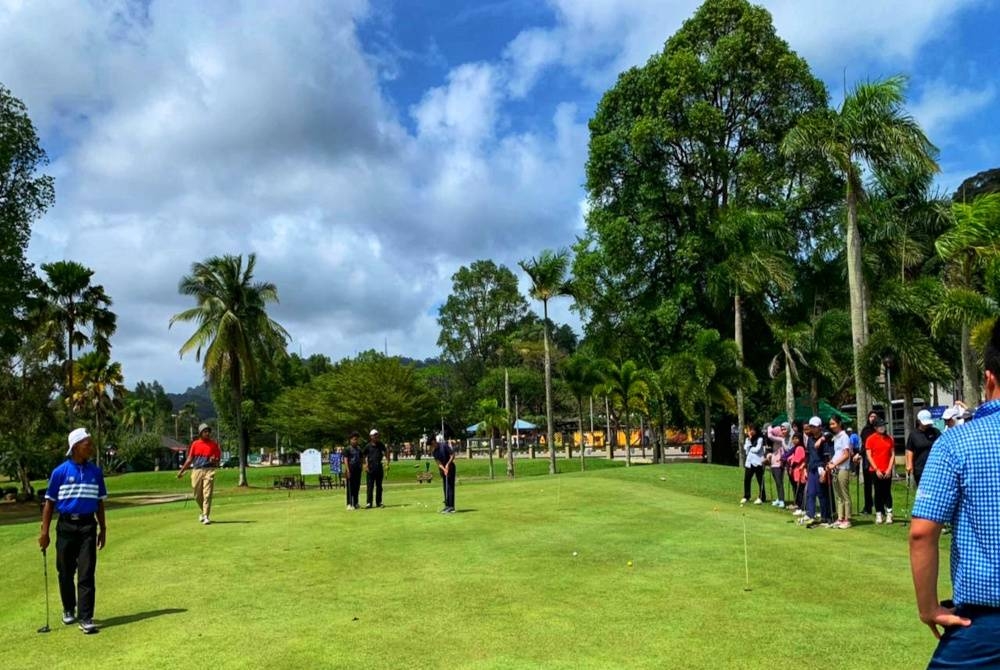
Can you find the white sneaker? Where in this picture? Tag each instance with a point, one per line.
(774, 503)
(201, 518)
(888, 518)
(757, 501)
(878, 517)
(780, 504)
(743, 501)
(805, 520)
(350, 507)
(206, 521)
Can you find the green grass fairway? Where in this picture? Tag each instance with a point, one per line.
(294, 581)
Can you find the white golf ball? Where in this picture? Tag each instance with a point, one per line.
(574, 553)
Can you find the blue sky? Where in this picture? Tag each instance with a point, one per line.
(365, 149)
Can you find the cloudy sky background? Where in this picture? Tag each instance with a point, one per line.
(366, 150)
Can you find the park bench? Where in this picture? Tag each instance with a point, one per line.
(424, 477)
(697, 451)
(325, 482)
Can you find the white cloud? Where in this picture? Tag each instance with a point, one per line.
(943, 104)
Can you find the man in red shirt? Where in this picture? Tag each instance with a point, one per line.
(881, 468)
(203, 458)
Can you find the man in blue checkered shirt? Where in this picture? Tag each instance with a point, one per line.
(961, 486)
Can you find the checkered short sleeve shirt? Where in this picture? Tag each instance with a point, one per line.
(961, 486)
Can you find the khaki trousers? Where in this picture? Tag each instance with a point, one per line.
(842, 487)
(203, 483)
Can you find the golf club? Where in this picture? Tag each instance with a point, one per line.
(746, 554)
(907, 507)
(45, 570)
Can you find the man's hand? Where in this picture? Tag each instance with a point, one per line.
(180, 474)
(943, 617)
(43, 540)
(102, 537)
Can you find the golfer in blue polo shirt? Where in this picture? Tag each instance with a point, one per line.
(76, 489)
(961, 486)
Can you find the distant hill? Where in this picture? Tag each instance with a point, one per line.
(200, 396)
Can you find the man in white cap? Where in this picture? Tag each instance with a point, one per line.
(918, 445)
(76, 490)
(375, 451)
(203, 458)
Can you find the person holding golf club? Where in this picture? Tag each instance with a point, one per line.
(839, 469)
(881, 468)
(797, 472)
(76, 490)
(445, 457)
(203, 458)
(866, 472)
(818, 454)
(780, 451)
(961, 485)
(375, 451)
(753, 465)
(353, 457)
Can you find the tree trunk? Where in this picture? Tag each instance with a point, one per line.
(69, 389)
(579, 406)
(708, 431)
(856, 285)
(549, 433)
(237, 381)
(491, 453)
(97, 434)
(789, 388)
(738, 336)
(628, 435)
(506, 407)
(642, 437)
(814, 397)
(22, 474)
(609, 446)
(970, 371)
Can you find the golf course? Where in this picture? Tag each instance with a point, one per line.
(615, 567)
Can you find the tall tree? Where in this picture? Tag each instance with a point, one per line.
(101, 389)
(582, 375)
(24, 196)
(626, 384)
(548, 280)
(693, 132)
(234, 334)
(493, 419)
(75, 313)
(484, 306)
(870, 130)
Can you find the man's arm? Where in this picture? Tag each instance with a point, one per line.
(43, 535)
(924, 559)
(186, 464)
(102, 533)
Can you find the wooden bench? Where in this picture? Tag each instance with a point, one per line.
(425, 477)
(325, 482)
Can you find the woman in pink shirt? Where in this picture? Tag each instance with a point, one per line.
(778, 436)
(797, 470)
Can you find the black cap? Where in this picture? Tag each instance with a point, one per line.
(879, 422)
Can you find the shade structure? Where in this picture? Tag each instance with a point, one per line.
(803, 411)
(520, 424)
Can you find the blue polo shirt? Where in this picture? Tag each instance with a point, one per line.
(961, 486)
(76, 487)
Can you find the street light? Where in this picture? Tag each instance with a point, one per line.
(888, 361)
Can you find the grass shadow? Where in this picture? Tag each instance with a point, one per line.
(132, 618)
(216, 523)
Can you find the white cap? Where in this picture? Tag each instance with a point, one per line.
(951, 413)
(440, 438)
(76, 436)
(924, 417)
(815, 422)
(372, 433)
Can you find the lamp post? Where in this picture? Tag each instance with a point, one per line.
(887, 362)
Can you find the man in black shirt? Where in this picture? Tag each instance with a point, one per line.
(919, 443)
(445, 457)
(868, 429)
(375, 451)
(352, 468)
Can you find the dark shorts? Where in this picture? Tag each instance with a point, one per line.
(973, 646)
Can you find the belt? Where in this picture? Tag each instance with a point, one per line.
(77, 517)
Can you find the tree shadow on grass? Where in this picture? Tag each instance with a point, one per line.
(465, 511)
(132, 618)
(216, 523)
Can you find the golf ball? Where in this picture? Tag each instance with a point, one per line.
(574, 553)
(629, 564)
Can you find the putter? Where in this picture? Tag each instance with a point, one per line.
(746, 554)
(907, 508)
(45, 570)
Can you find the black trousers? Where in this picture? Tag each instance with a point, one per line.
(869, 491)
(76, 555)
(353, 487)
(374, 479)
(448, 484)
(883, 495)
(750, 473)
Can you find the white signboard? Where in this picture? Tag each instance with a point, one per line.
(311, 462)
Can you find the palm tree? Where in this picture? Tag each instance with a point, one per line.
(754, 243)
(581, 374)
(626, 383)
(785, 362)
(190, 414)
(871, 130)
(972, 243)
(548, 280)
(493, 419)
(101, 390)
(136, 412)
(72, 307)
(707, 372)
(234, 335)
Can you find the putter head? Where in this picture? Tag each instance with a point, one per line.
(44, 629)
